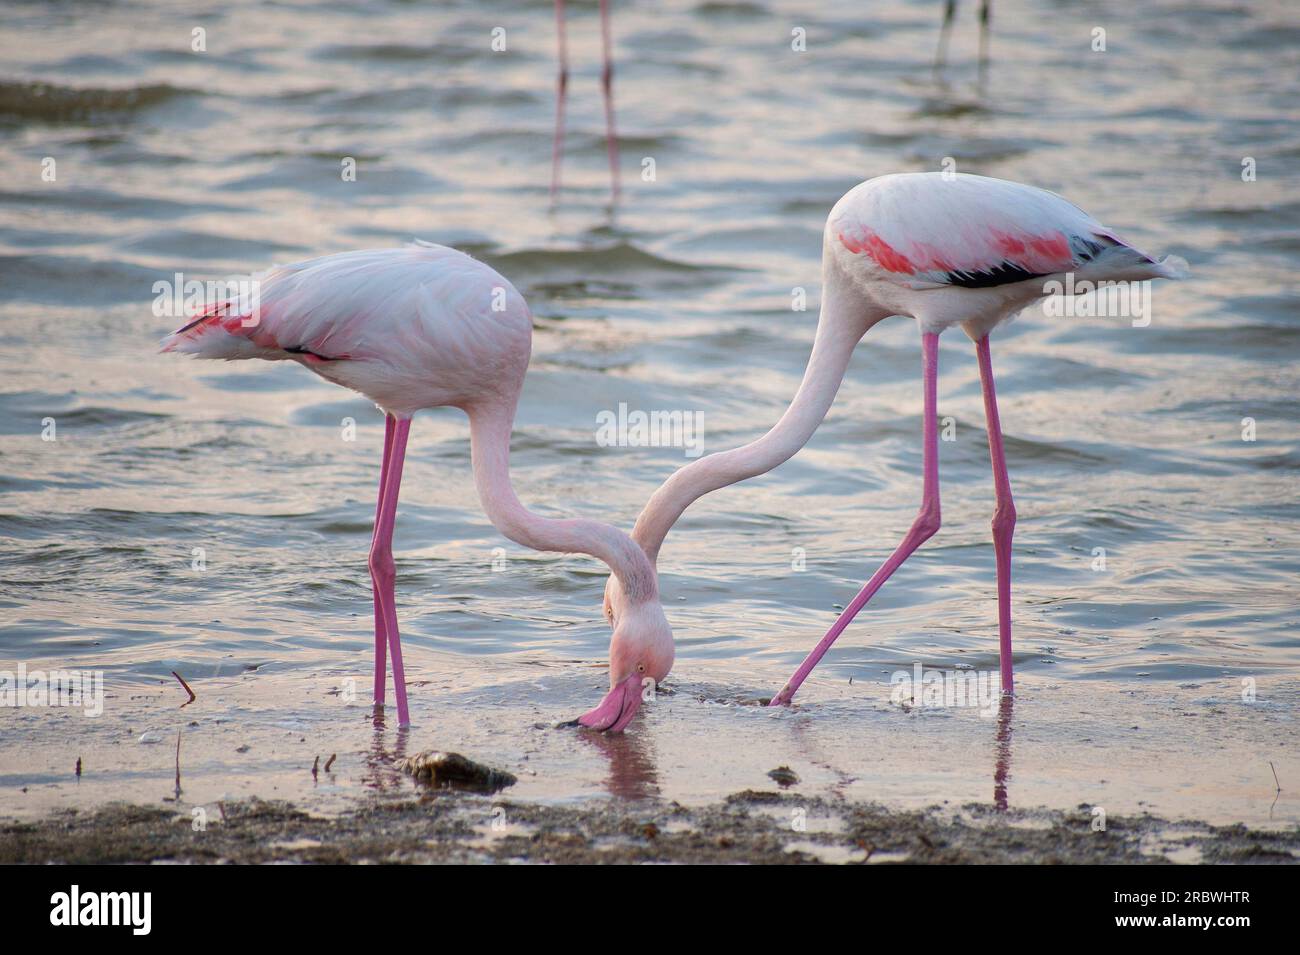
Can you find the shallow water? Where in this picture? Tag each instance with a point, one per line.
(679, 298)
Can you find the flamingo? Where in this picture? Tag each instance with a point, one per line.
(945, 249)
(561, 94)
(425, 326)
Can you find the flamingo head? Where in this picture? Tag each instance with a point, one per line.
(640, 655)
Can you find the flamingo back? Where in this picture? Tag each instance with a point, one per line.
(939, 230)
(412, 327)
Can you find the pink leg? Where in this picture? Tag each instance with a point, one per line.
(382, 568)
(607, 83)
(381, 627)
(561, 91)
(923, 528)
(1004, 517)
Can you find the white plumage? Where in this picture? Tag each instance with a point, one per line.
(993, 243)
(417, 326)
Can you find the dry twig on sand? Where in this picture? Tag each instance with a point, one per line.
(187, 689)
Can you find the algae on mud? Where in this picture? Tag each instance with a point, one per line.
(747, 827)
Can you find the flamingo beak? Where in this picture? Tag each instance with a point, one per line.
(617, 708)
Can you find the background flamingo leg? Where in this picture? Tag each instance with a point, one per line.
(382, 568)
(941, 54)
(1004, 516)
(561, 92)
(923, 528)
(986, 10)
(381, 627)
(607, 84)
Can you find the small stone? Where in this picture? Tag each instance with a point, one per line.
(783, 776)
(454, 771)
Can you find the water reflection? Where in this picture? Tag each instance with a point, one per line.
(633, 773)
(803, 736)
(381, 773)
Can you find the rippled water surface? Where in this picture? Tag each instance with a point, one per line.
(1123, 442)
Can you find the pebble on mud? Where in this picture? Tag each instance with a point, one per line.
(783, 776)
(454, 771)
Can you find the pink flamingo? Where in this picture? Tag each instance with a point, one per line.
(425, 326)
(561, 94)
(945, 250)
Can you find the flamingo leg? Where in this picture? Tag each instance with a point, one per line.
(941, 54)
(381, 626)
(382, 568)
(986, 8)
(607, 84)
(923, 528)
(1004, 516)
(561, 93)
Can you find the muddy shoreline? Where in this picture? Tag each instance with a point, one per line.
(753, 826)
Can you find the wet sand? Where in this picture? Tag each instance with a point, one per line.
(1196, 751)
(754, 826)
(287, 766)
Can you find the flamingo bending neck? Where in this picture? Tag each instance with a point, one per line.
(840, 325)
(489, 425)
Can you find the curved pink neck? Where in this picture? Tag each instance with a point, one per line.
(838, 332)
(489, 428)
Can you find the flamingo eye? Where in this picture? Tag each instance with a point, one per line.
(640, 668)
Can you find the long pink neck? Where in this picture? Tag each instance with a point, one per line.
(489, 428)
(838, 332)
